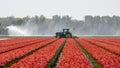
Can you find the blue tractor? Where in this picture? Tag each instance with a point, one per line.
(64, 34)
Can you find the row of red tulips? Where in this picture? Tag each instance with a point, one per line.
(105, 58)
(10, 42)
(110, 47)
(22, 44)
(73, 57)
(41, 58)
(17, 53)
(109, 41)
(115, 40)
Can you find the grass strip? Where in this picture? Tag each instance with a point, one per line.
(92, 60)
(17, 60)
(53, 62)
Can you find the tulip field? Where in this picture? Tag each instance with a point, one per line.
(60, 53)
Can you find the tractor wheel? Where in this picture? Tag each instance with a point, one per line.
(68, 36)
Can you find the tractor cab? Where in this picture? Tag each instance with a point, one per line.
(65, 31)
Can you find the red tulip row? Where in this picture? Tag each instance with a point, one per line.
(115, 40)
(9, 42)
(73, 57)
(112, 48)
(17, 53)
(18, 45)
(109, 42)
(41, 58)
(105, 58)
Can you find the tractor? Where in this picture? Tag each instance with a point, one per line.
(64, 34)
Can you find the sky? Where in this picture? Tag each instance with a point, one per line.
(77, 9)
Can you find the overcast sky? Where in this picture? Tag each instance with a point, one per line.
(75, 8)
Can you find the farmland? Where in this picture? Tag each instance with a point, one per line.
(60, 53)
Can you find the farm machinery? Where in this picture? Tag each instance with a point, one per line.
(64, 34)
